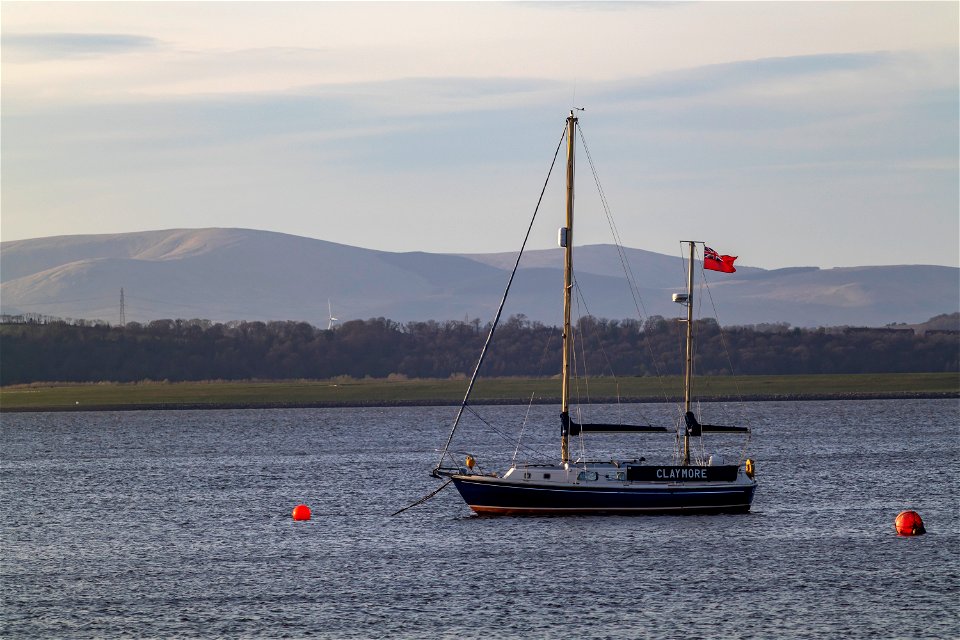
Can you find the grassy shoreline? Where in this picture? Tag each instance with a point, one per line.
(396, 392)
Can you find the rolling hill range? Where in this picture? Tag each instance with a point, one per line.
(241, 274)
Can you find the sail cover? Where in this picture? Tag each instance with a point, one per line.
(576, 428)
(694, 428)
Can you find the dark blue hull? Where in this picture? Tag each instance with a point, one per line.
(498, 497)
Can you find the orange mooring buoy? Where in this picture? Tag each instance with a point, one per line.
(909, 523)
(301, 512)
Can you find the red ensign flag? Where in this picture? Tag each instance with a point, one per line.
(716, 262)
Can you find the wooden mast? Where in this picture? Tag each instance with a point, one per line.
(566, 240)
(688, 375)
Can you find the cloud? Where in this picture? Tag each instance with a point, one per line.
(775, 111)
(53, 46)
(265, 137)
(705, 80)
(841, 103)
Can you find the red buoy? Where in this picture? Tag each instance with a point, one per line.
(301, 512)
(909, 523)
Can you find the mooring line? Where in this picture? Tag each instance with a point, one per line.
(425, 498)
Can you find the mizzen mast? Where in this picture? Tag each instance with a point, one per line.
(688, 372)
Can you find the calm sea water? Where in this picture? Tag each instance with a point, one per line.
(177, 524)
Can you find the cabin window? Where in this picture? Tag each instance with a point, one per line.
(546, 476)
(526, 476)
(587, 475)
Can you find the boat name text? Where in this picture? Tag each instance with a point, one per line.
(683, 473)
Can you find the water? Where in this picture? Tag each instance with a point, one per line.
(177, 524)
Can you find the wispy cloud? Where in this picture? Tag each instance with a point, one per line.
(736, 75)
(341, 120)
(52, 46)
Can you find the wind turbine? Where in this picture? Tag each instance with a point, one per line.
(330, 319)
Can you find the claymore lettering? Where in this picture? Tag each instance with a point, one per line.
(681, 473)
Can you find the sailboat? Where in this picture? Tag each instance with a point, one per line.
(690, 482)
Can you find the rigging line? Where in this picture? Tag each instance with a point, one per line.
(603, 351)
(580, 363)
(503, 301)
(543, 357)
(581, 299)
(523, 426)
(723, 340)
(614, 231)
(698, 328)
(580, 359)
(627, 268)
(726, 350)
(580, 371)
(706, 285)
(681, 318)
(424, 498)
(624, 264)
(497, 430)
(681, 341)
(528, 449)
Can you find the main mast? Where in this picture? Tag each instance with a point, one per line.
(566, 241)
(688, 375)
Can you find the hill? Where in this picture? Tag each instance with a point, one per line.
(242, 274)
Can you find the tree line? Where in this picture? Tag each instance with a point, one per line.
(182, 350)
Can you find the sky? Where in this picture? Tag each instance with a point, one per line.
(789, 134)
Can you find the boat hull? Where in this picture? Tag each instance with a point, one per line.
(497, 496)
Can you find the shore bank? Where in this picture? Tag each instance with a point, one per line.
(398, 393)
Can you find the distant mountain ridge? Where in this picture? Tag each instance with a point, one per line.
(243, 274)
